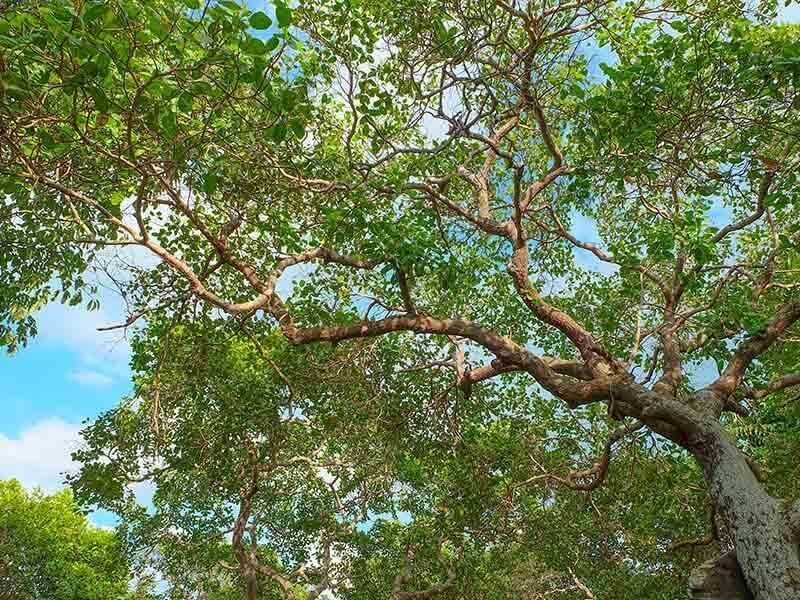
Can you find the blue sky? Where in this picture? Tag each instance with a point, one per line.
(68, 373)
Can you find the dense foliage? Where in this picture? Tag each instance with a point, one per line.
(49, 551)
(457, 298)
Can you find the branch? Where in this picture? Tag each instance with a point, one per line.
(774, 386)
(763, 190)
(597, 473)
(135, 316)
(601, 254)
(405, 574)
(485, 224)
(248, 559)
(550, 315)
(754, 346)
(580, 586)
(572, 391)
(552, 146)
(572, 368)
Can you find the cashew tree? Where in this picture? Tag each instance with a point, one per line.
(597, 198)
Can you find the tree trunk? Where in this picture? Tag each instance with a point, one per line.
(769, 559)
(719, 579)
(252, 586)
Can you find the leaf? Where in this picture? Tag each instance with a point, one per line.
(93, 11)
(210, 183)
(278, 132)
(272, 43)
(193, 4)
(254, 46)
(259, 20)
(297, 128)
(283, 14)
(233, 6)
(185, 102)
(100, 100)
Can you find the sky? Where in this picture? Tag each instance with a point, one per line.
(68, 373)
(71, 372)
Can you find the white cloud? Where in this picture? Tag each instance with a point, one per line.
(40, 455)
(75, 329)
(90, 378)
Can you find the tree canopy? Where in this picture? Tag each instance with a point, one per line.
(522, 276)
(49, 551)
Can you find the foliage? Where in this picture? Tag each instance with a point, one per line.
(413, 280)
(49, 550)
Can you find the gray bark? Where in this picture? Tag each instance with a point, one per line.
(719, 579)
(768, 557)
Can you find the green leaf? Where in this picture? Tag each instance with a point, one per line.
(272, 43)
(193, 4)
(259, 20)
(185, 102)
(233, 6)
(100, 100)
(283, 14)
(93, 10)
(254, 46)
(278, 132)
(210, 183)
(46, 138)
(297, 128)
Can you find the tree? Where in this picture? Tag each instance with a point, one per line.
(48, 550)
(344, 475)
(463, 180)
(263, 477)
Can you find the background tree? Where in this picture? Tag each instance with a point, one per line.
(49, 550)
(456, 170)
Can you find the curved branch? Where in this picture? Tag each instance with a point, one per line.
(763, 190)
(572, 391)
(754, 346)
(781, 383)
(596, 475)
(405, 574)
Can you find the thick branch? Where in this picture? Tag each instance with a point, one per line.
(754, 346)
(572, 391)
(572, 368)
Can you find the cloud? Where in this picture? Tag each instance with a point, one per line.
(40, 455)
(75, 329)
(91, 378)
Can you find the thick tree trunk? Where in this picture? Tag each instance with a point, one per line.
(766, 553)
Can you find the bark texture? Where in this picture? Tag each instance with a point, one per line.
(719, 579)
(768, 557)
